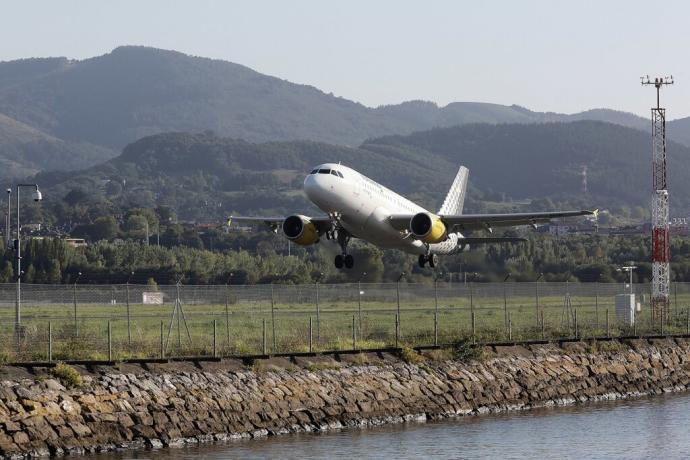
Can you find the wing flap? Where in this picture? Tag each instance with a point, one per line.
(464, 222)
(488, 221)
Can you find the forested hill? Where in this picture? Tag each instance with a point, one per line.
(132, 92)
(204, 177)
(546, 160)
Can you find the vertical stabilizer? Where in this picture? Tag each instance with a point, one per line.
(455, 199)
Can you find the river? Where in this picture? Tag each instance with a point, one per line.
(655, 427)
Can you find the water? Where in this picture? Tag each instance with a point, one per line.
(656, 427)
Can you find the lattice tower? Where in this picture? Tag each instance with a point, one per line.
(661, 254)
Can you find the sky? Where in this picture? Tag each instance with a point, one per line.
(544, 55)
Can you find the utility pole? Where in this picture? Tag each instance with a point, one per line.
(660, 215)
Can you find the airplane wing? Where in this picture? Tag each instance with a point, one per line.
(487, 222)
(323, 223)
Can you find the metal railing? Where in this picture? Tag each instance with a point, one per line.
(72, 322)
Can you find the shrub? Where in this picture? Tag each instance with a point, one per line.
(410, 356)
(67, 375)
(466, 352)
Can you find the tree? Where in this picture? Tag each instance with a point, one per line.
(105, 228)
(135, 226)
(7, 273)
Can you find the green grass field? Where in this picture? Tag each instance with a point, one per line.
(252, 324)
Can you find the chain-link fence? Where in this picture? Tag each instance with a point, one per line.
(61, 322)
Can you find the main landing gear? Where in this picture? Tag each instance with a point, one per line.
(343, 260)
(431, 259)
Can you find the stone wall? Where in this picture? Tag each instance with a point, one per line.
(158, 405)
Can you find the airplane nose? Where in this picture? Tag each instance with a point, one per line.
(310, 186)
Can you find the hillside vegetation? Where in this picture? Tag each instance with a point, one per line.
(99, 105)
(512, 168)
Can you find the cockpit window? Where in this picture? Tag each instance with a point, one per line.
(340, 174)
(314, 171)
(334, 172)
(324, 171)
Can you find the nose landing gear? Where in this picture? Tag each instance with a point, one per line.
(431, 259)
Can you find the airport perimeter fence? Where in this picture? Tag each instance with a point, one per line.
(113, 322)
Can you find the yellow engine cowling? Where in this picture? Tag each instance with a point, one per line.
(300, 230)
(428, 228)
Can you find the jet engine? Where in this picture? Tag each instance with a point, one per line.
(428, 228)
(300, 230)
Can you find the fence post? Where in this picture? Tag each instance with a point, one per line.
(397, 330)
(74, 299)
(50, 341)
(215, 350)
(474, 328)
(129, 327)
(162, 349)
(273, 319)
(310, 336)
(608, 330)
(263, 336)
(110, 342)
(543, 335)
(318, 315)
(436, 328)
(227, 315)
(596, 305)
(354, 336)
(688, 321)
(510, 327)
(575, 318)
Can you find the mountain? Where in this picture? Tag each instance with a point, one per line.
(512, 167)
(133, 92)
(25, 150)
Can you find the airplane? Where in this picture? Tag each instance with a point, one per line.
(359, 207)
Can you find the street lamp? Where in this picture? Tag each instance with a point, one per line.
(36, 195)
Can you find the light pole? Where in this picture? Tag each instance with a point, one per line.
(18, 258)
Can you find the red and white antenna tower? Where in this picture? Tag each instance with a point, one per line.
(661, 244)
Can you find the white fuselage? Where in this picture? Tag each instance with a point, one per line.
(364, 207)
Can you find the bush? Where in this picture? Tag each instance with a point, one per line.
(466, 352)
(410, 356)
(67, 375)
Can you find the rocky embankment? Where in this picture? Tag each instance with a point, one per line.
(129, 406)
